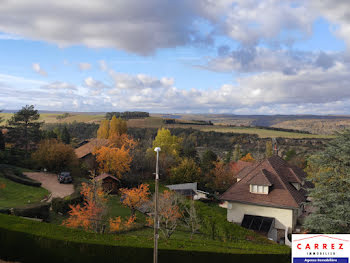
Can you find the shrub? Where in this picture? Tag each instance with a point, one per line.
(61, 205)
(40, 210)
(21, 179)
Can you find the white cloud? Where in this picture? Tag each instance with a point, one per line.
(144, 26)
(84, 66)
(58, 85)
(103, 65)
(37, 68)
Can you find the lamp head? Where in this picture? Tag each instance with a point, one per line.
(157, 149)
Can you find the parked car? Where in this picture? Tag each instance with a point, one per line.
(64, 178)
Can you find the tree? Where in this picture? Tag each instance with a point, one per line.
(90, 215)
(248, 158)
(135, 197)
(55, 156)
(65, 136)
(169, 144)
(186, 172)
(190, 216)
(117, 126)
(329, 171)
(168, 213)
(222, 177)
(113, 160)
(116, 224)
(25, 128)
(268, 150)
(209, 159)
(237, 154)
(103, 130)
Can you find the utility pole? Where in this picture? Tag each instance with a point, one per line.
(156, 222)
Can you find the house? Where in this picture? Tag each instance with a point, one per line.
(268, 197)
(84, 152)
(188, 190)
(110, 183)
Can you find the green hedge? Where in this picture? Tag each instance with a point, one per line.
(61, 205)
(41, 210)
(21, 241)
(16, 175)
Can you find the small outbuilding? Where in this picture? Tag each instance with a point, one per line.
(110, 183)
(189, 190)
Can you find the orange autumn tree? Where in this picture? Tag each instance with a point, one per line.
(248, 158)
(116, 224)
(135, 197)
(90, 215)
(115, 161)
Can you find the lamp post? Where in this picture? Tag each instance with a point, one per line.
(156, 222)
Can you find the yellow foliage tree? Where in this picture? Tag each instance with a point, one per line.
(117, 126)
(112, 160)
(103, 130)
(169, 144)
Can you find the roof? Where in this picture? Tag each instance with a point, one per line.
(104, 176)
(239, 165)
(276, 173)
(188, 186)
(89, 147)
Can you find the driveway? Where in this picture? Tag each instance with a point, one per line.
(49, 181)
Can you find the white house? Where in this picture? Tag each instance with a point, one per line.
(267, 197)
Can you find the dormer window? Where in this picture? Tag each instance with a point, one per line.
(259, 189)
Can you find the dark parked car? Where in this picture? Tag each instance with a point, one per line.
(65, 178)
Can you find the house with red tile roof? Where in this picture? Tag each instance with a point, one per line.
(268, 197)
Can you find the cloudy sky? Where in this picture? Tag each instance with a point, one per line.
(203, 56)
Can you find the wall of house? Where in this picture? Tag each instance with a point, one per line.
(283, 217)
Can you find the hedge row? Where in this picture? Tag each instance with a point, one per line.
(40, 210)
(23, 246)
(21, 180)
(61, 205)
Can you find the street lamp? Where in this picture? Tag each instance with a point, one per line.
(156, 222)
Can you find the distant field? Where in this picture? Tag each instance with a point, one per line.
(156, 121)
(262, 133)
(52, 117)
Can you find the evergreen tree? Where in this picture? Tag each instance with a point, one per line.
(268, 151)
(25, 128)
(65, 136)
(228, 157)
(237, 154)
(329, 171)
(209, 159)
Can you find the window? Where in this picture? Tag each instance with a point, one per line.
(259, 189)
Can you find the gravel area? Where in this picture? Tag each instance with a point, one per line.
(49, 181)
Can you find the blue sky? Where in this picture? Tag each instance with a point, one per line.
(224, 56)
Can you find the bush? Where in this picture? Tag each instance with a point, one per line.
(61, 205)
(40, 210)
(5, 211)
(21, 179)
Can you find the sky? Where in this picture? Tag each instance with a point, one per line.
(184, 56)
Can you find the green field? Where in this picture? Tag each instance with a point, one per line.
(15, 194)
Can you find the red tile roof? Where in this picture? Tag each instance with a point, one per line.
(89, 147)
(276, 172)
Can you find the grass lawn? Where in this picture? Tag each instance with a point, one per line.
(143, 238)
(15, 194)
